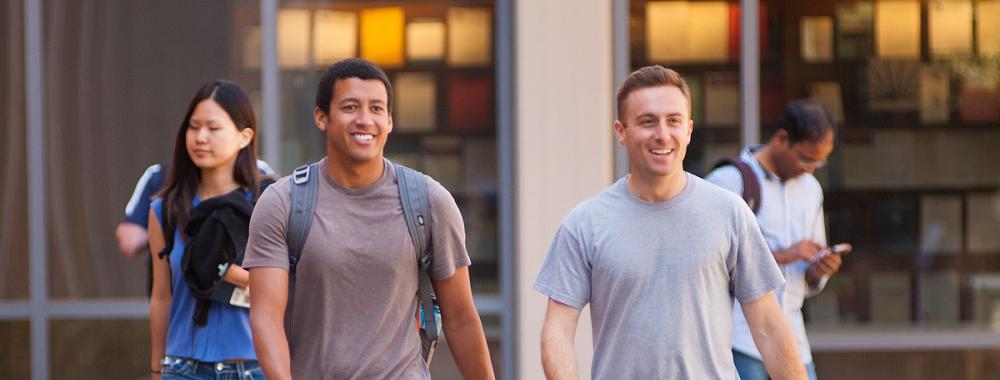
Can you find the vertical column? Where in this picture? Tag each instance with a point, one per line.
(563, 97)
(622, 67)
(35, 143)
(750, 72)
(505, 143)
(270, 83)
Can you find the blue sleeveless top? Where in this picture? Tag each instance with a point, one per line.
(227, 333)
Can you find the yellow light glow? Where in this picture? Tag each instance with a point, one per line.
(897, 29)
(425, 40)
(684, 31)
(293, 38)
(470, 36)
(335, 36)
(950, 27)
(988, 27)
(382, 35)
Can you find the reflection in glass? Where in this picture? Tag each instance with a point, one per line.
(13, 165)
(99, 349)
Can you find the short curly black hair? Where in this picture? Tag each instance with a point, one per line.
(806, 120)
(349, 68)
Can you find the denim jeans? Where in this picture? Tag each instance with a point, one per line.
(750, 368)
(190, 369)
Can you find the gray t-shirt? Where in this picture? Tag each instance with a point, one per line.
(660, 278)
(353, 309)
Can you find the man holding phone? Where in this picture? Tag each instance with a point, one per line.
(789, 211)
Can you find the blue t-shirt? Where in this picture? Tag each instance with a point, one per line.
(137, 209)
(227, 333)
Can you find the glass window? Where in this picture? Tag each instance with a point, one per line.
(15, 349)
(115, 349)
(119, 76)
(443, 104)
(13, 173)
(701, 41)
(911, 183)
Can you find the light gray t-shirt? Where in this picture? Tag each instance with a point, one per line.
(660, 278)
(353, 309)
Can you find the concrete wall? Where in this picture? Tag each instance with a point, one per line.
(564, 100)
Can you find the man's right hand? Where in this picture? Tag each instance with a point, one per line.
(131, 238)
(803, 250)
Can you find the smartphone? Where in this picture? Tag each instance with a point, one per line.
(841, 248)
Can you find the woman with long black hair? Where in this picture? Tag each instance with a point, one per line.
(214, 166)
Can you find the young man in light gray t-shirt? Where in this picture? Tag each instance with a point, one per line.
(353, 311)
(659, 256)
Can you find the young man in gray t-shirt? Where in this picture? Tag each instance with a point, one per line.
(353, 311)
(659, 256)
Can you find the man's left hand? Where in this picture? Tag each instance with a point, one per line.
(827, 265)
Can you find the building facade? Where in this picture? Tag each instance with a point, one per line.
(509, 104)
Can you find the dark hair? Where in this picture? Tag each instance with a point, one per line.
(183, 178)
(651, 76)
(349, 68)
(806, 120)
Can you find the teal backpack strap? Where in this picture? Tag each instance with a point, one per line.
(416, 211)
(303, 203)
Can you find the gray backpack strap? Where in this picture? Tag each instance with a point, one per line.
(416, 211)
(303, 203)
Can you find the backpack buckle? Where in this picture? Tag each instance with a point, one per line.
(425, 261)
(300, 175)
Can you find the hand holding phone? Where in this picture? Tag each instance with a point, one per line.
(841, 249)
(838, 249)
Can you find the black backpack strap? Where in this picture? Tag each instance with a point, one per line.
(413, 197)
(751, 186)
(302, 204)
(168, 226)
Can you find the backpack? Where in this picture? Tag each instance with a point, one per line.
(413, 197)
(751, 186)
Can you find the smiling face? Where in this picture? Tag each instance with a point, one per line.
(212, 139)
(358, 124)
(656, 131)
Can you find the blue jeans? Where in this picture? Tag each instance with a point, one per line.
(190, 369)
(749, 368)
